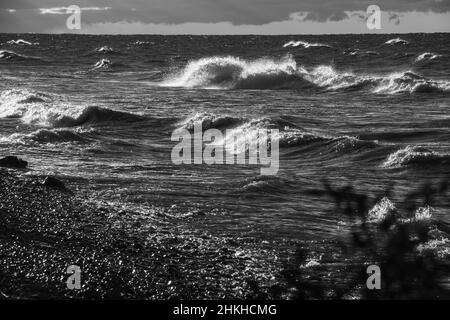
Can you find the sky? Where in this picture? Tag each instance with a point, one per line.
(224, 16)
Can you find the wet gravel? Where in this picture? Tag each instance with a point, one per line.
(122, 254)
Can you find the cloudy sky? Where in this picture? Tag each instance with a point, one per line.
(224, 16)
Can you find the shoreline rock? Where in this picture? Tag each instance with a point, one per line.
(52, 182)
(13, 162)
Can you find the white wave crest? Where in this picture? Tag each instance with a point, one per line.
(7, 55)
(105, 49)
(358, 52)
(428, 56)
(235, 73)
(396, 41)
(413, 155)
(55, 111)
(209, 121)
(409, 82)
(140, 43)
(304, 44)
(439, 245)
(438, 242)
(239, 131)
(385, 207)
(258, 131)
(394, 83)
(21, 42)
(14, 103)
(102, 64)
(381, 210)
(47, 136)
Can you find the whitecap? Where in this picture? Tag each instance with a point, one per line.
(304, 44)
(396, 41)
(413, 155)
(21, 42)
(428, 56)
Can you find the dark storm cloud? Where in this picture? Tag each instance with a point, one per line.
(326, 16)
(395, 18)
(28, 16)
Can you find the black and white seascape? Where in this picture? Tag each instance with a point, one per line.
(139, 165)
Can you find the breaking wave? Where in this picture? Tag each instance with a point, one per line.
(48, 136)
(108, 65)
(259, 131)
(266, 185)
(106, 50)
(141, 43)
(47, 110)
(68, 116)
(304, 44)
(21, 42)
(238, 132)
(409, 82)
(396, 41)
(10, 55)
(427, 56)
(210, 121)
(403, 82)
(360, 53)
(7, 55)
(103, 64)
(414, 155)
(381, 210)
(235, 73)
(438, 242)
(14, 102)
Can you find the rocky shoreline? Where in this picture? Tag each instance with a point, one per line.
(45, 228)
(121, 254)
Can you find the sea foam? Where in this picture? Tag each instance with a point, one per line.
(396, 41)
(47, 136)
(21, 42)
(414, 155)
(9, 55)
(427, 56)
(102, 64)
(238, 131)
(43, 109)
(304, 44)
(236, 73)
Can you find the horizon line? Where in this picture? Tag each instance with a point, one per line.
(220, 34)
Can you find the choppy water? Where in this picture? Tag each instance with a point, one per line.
(99, 111)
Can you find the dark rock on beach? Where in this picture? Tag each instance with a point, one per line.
(52, 182)
(13, 162)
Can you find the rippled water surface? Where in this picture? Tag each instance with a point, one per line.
(99, 111)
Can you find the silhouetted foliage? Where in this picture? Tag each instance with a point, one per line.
(392, 243)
